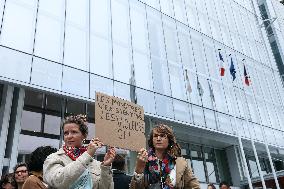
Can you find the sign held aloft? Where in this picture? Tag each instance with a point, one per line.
(119, 123)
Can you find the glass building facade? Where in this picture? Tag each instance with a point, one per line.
(55, 54)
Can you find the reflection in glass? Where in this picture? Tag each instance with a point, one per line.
(100, 84)
(181, 111)
(75, 107)
(146, 99)
(122, 90)
(198, 115)
(100, 44)
(33, 99)
(53, 103)
(164, 106)
(50, 29)
(75, 82)
(75, 52)
(19, 16)
(13, 61)
(52, 124)
(121, 63)
(46, 74)
(31, 121)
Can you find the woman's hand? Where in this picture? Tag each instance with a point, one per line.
(109, 156)
(93, 146)
(142, 158)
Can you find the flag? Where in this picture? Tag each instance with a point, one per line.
(211, 92)
(232, 69)
(199, 87)
(247, 81)
(132, 82)
(188, 86)
(222, 68)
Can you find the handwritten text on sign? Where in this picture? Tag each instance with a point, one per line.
(119, 123)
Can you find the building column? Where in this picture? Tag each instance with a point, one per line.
(5, 112)
(234, 165)
(15, 127)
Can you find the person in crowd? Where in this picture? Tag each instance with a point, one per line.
(224, 185)
(120, 178)
(8, 181)
(162, 165)
(35, 165)
(211, 186)
(73, 166)
(21, 173)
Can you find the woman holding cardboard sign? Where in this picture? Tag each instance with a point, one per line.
(73, 166)
(162, 165)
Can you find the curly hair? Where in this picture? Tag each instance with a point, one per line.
(80, 120)
(8, 178)
(38, 157)
(173, 148)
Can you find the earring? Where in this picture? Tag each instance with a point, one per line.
(84, 141)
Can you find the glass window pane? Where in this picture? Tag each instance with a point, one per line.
(164, 106)
(122, 90)
(27, 147)
(1, 10)
(210, 118)
(121, 63)
(75, 53)
(167, 7)
(139, 28)
(75, 82)
(211, 172)
(198, 115)
(75, 107)
(180, 12)
(198, 52)
(100, 84)
(181, 110)
(143, 72)
(146, 99)
(91, 112)
(46, 74)
(13, 61)
(19, 25)
(53, 103)
(120, 21)
(31, 121)
(33, 98)
(100, 44)
(50, 30)
(100, 18)
(198, 169)
(52, 124)
(101, 56)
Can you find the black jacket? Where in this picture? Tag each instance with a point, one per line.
(121, 180)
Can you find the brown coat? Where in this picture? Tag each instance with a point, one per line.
(34, 182)
(185, 179)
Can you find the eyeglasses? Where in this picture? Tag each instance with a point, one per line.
(21, 171)
(162, 136)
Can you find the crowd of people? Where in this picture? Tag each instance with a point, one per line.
(73, 166)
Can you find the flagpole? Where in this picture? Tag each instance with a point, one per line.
(265, 142)
(255, 154)
(242, 148)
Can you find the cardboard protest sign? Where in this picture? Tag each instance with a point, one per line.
(119, 123)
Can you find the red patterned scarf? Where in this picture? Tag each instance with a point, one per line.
(74, 152)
